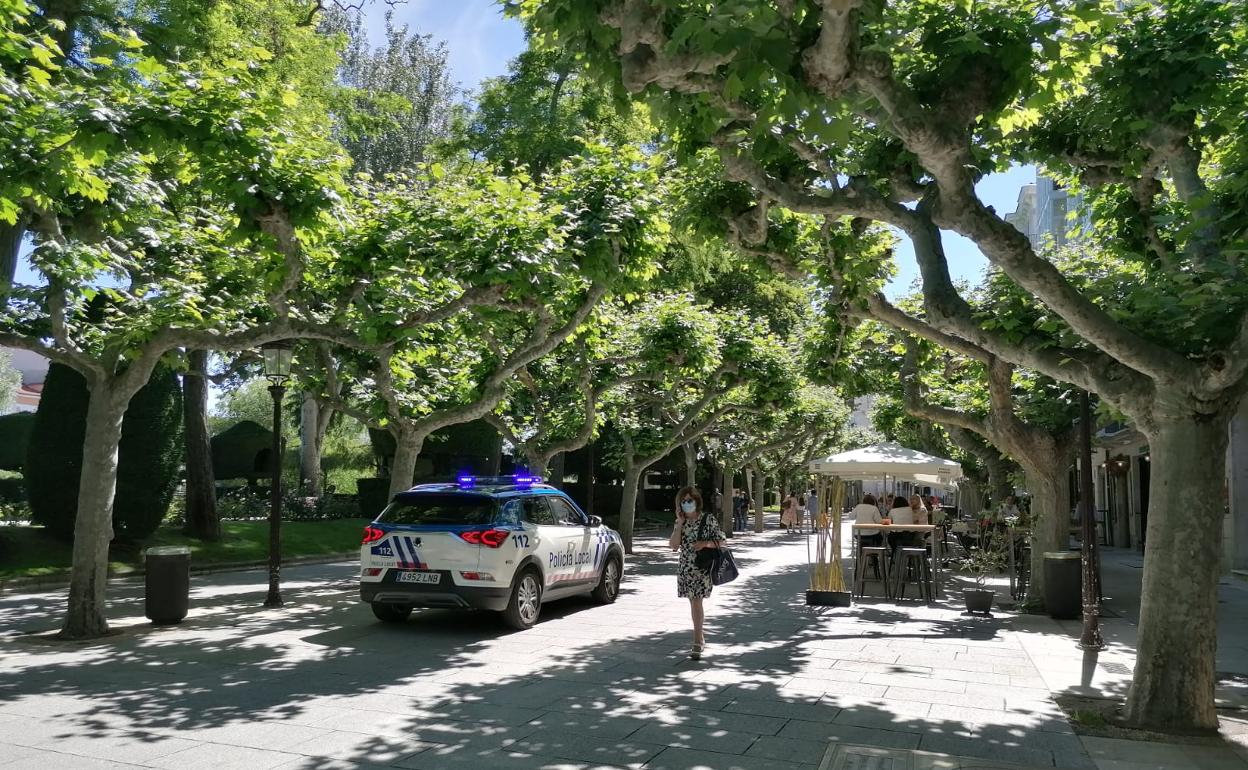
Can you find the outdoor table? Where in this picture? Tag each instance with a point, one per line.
(887, 529)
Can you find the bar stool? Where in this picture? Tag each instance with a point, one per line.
(917, 558)
(880, 554)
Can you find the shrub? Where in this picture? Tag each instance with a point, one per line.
(149, 454)
(14, 511)
(374, 495)
(54, 455)
(149, 457)
(15, 430)
(12, 489)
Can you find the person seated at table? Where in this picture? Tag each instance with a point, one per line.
(902, 513)
(921, 514)
(866, 513)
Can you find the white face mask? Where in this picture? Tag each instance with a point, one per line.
(688, 506)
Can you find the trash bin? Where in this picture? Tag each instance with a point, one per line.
(1063, 583)
(168, 583)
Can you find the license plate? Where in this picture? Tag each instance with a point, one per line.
(419, 577)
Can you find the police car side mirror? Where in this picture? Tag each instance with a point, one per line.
(595, 521)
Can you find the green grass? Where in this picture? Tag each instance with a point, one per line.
(30, 552)
(1088, 718)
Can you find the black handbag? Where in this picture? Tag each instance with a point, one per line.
(717, 561)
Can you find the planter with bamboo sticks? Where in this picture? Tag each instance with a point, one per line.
(823, 546)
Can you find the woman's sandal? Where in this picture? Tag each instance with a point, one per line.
(696, 653)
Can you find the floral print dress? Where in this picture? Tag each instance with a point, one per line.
(691, 582)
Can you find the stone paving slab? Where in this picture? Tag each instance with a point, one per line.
(320, 683)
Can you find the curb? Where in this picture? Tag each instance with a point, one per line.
(61, 580)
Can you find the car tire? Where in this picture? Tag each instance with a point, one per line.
(391, 613)
(608, 588)
(525, 604)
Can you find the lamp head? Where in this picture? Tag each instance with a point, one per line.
(277, 358)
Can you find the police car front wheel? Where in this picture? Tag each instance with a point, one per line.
(391, 613)
(609, 587)
(526, 601)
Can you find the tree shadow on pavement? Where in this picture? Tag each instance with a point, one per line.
(320, 680)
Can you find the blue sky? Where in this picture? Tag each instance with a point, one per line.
(481, 42)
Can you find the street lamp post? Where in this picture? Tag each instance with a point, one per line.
(277, 357)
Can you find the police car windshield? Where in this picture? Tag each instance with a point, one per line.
(439, 509)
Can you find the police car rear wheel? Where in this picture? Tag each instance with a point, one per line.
(609, 587)
(526, 601)
(391, 613)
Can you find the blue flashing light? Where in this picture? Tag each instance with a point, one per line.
(467, 482)
(524, 480)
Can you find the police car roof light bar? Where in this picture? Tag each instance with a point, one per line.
(467, 482)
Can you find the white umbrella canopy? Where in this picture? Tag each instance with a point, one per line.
(891, 459)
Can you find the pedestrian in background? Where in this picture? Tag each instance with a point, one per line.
(694, 530)
(788, 512)
(740, 508)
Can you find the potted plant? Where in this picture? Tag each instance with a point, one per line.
(988, 558)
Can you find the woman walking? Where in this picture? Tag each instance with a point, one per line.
(694, 530)
(788, 513)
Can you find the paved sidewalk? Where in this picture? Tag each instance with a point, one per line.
(320, 683)
(1052, 646)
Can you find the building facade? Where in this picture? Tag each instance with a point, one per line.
(33, 369)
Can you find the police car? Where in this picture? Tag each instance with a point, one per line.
(506, 544)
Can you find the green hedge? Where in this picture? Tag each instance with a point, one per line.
(374, 495)
(15, 430)
(149, 454)
(149, 457)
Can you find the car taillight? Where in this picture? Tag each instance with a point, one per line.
(372, 535)
(491, 538)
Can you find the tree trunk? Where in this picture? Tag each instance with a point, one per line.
(403, 468)
(556, 469)
(760, 481)
(691, 465)
(628, 505)
(1050, 524)
(536, 465)
(999, 484)
(93, 529)
(970, 497)
(725, 500)
(1173, 684)
(310, 442)
(201, 496)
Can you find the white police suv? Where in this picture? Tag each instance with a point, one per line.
(501, 543)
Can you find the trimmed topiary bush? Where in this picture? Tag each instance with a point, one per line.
(15, 430)
(374, 495)
(54, 454)
(149, 458)
(242, 452)
(149, 455)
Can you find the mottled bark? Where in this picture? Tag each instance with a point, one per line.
(201, 496)
(1050, 523)
(1177, 643)
(628, 505)
(725, 500)
(760, 481)
(689, 478)
(403, 467)
(311, 442)
(93, 529)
